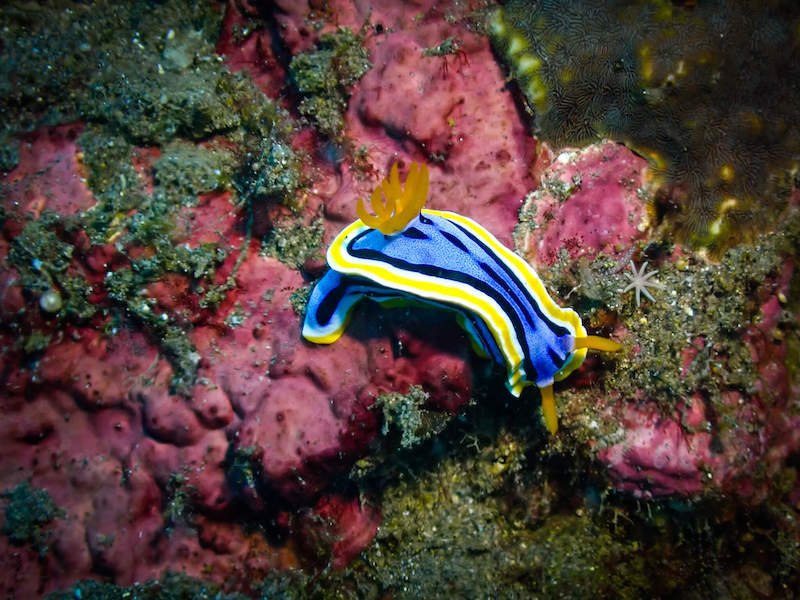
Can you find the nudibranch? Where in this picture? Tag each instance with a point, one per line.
(403, 252)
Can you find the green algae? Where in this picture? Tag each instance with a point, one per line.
(67, 63)
(112, 180)
(133, 218)
(243, 468)
(299, 299)
(171, 586)
(294, 242)
(126, 212)
(36, 342)
(169, 331)
(9, 152)
(40, 254)
(164, 87)
(42, 258)
(323, 77)
(691, 338)
(406, 414)
(123, 287)
(236, 317)
(187, 170)
(75, 304)
(146, 93)
(27, 515)
(440, 525)
(572, 552)
(179, 508)
(487, 509)
(271, 171)
(483, 512)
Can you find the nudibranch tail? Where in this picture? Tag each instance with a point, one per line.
(393, 205)
(582, 343)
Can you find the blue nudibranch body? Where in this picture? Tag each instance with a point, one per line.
(405, 253)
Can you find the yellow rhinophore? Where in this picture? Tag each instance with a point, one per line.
(394, 206)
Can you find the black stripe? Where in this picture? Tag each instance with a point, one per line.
(455, 241)
(414, 234)
(488, 345)
(557, 360)
(503, 284)
(554, 327)
(513, 294)
(327, 307)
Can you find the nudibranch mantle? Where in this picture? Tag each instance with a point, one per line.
(449, 261)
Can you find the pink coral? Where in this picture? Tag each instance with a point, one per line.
(344, 524)
(658, 457)
(691, 451)
(588, 203)
(50, 159)
(460, 120)
(454, 120)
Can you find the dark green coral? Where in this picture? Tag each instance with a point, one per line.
(179, 509)
(113, 181)
(406, 414)
(40, 254)
(480, 518)
(294, 242)
(187, 170)
(271, 171)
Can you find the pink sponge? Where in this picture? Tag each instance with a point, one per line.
(588, 202)
(736, 447)
(341, 526)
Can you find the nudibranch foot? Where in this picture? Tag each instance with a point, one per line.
(403, 252)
